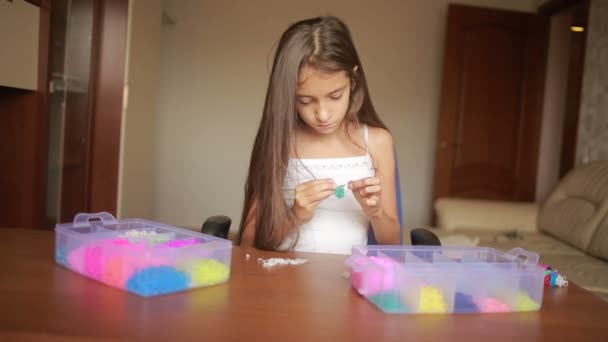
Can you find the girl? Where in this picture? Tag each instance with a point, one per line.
(322, 166)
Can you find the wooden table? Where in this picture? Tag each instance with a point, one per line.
(40, 300)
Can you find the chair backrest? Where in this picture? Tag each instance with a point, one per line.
(371, 238)
(218, 225)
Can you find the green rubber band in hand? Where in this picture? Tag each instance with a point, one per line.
(340, 191)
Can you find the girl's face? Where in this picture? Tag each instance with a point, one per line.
(322, 99)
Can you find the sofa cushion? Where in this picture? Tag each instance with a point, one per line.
(576, 206)
(599, 243)
(535, 242)
(459, 213)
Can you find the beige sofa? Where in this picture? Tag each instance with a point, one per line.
(569, 229)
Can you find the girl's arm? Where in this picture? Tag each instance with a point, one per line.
(378, 195)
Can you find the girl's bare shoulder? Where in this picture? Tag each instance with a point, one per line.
(380, 139)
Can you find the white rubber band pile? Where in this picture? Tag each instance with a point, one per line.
(138, 235)
(281, 261)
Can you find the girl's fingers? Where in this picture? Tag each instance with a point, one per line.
(308, 196)
(372, 201)
(319, 196)
(315, 186)
(370, 190)
(356, 185)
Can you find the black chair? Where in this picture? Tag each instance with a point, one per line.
(424, 237)
(218, 225)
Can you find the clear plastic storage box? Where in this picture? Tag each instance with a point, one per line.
(140, 256)
(425, 279)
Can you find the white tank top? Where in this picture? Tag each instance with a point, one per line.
(337, 223)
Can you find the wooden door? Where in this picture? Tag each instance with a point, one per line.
(491, 104)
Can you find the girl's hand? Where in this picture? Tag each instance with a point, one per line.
(308, 196)
(367, 192)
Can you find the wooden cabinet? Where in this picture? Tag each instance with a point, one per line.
(19, 30)
(60, 140)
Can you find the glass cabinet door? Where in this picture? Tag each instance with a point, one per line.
(70, 107)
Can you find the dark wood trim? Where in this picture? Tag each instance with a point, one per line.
(17, 113)
(551, 7)
(39, 160)
(22, 144)
(107, 115)
(576, 70)
(38, 3)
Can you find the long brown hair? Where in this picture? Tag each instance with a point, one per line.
(323, 43)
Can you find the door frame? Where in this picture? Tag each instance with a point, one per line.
(107, 106)
(576, 70)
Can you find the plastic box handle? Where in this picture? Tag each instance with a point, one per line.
(83, 219)
(531, 258)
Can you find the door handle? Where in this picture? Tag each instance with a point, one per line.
(443, 145)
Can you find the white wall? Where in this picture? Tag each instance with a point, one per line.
(19, 30)
(136, 173)
(214, 70)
